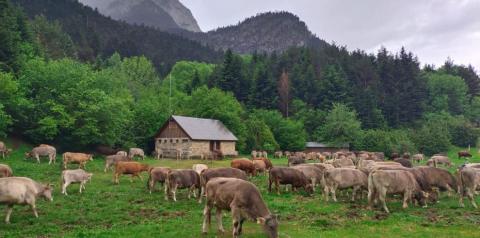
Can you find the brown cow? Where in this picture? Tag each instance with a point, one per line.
(182, 178)
(132, 168)
(113, 160)
(404, 162)
(244, 201)
(260, 166)
(469, 181)
(313, 174)
(343, 178)
(157, 175)
(288, 175)
(5, 171)
(383, 182)
(437, 178)
(464, 154)
(208, 174)
(295, 160)
(268, 163)
(245, 165)
(76, 158)
(439, 159)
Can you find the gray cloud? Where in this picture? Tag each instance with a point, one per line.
(433, 29)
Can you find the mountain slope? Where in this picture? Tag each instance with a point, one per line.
(97, 35)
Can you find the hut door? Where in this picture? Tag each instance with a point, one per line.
(214, 145)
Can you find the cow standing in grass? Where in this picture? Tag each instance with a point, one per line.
(43, 150)
(5, 171)
(469, 181)
(136, 152)
(113, 160)
(157, 175)
(4, 151)
(75, 176)
(76, 158)
(182, 179)
(133, 168)
(288, 175)
(211, 173)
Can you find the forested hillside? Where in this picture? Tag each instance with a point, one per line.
(377, 102)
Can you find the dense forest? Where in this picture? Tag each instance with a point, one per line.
(380, 102)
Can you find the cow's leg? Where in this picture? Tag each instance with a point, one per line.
(207, 217)
(218, 217)
(189, 193)
(269, 185)
(151, 184)
(202, 191)
(314, 183)
(64, 188)
(277, 186)
(470, 195)
(381, 196)
(236, 217)
(115, 178)
(326, 190)
(9, 212)
(82, 184)
(334, 189)
(241, 226)
(354, 190)
(34, 209)
(167, 191)
(38, 159)
(406, 197)
(174, 191)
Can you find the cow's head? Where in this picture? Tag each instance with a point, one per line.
(309, 188)
(47, 192)
(89, 176)
(269, 225)
(28, 155)
(90, 157)
(8, 151)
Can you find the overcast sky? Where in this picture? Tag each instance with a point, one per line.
(432, 29)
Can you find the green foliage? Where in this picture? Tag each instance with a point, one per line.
(188, 75)
(446, 93)
(56, 44)
(334, 87)
(259, 136)
(434, 135)
(5, 122)
(473, 112)
(387, 141)
(341, 126)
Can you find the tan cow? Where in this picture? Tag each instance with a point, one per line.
(123, 153)
(260, 166)
(5, 171)
(314, 174)
(343, 178)
(211, 173)
(45, 150)
(469, 181)
(436, 160)
(182, 179)
(244, 201)
(278, 154)
(286, 176)
(4, 151)
(76, 158)
(199, 168)
(418, 158)
(113, 160)
(133, 168)
(343, 163)
(267, 162)
(75, 176)
(22, 191)
(136, 152)
(157, 175)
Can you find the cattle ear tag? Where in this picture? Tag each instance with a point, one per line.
(261, 220)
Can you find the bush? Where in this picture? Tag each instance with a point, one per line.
(393, 141)
(259, 136)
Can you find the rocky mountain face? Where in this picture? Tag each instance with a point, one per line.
(162, 14)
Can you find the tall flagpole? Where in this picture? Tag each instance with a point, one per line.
(170, 95)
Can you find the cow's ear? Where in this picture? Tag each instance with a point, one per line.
(261, 220)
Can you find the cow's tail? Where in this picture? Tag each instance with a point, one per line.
(461, 183)
(62, 179)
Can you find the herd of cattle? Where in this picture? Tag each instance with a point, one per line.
(365, 173)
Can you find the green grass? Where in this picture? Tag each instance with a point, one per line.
(128, 210)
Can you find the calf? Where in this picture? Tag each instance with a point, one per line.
(45, 150)
(132, 168)
(157, 175)
(182, 178)
(313, 174)
(113, 160)
(245, 165)
(76, 158)
(244, 201)
(288, 175)
(4, 151)
(5, 171)
(343, 178)
(278, 154)
(75, 176)
(383, 182)
(208, 174)
(199, 168)
(439, 159)
(469, 181)
(22, 191)
(136, 152)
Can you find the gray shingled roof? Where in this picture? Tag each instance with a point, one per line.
(204, 129)
(321, 145)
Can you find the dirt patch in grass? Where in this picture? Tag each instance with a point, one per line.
(173, 214)
(381, 216)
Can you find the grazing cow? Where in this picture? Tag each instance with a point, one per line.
(128, 167)
(4, 151)
(124, 153)
(264, 154)
(288, 175)
(245, 165)
(106, 150)
(244, 201)
(406, 155)
(322, 166)
(278, 154)
(158, 153)
(113, 160)
(136, 152)
(24, 191)
(295, 160)
(470, 165)
(343, 178)
(464, 154)
(404, 162)
(5, 171)
(157, 175)
(343, 163)
(182, 178)
(199, 168)
(76, 158)
(439, 159)
(437, 178)
(75, 176)
(254, 154)
(313, 174)
(367, 166)
(383, 182)
(418, 158)
(208, 174)
(48, 151)
(260, 166)
(267, 162)
(469, 181)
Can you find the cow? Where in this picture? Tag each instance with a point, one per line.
(5, 171)
(267, 162)
(264, 154)
(343, 178)
(22, 191)
(278, 154)
(4, 151)
(260, 166)
(464, 154)
(313, 174)
(157, 175)
(158, 153)
(295, 160)
(343, 163)
(123, 153)
(76, 158)
(113, 160)
(245, 165)
(322, 166)
(182, 178)
(244, 201)
(439, 159)
(469, 181)
(404, 162)
(39, 151)
(128, 167)
(199, 168)
(288, 175)
(75, 176)
(254, 154)
(132, 152)
(208, 174)
(418, 158)
(106, 150)
(383, 182)
(437, 178)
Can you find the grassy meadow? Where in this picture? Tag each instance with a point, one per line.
(128, 210)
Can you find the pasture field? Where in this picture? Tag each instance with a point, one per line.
(128, 210)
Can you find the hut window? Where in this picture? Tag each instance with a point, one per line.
(185, 140)
(171, 140)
